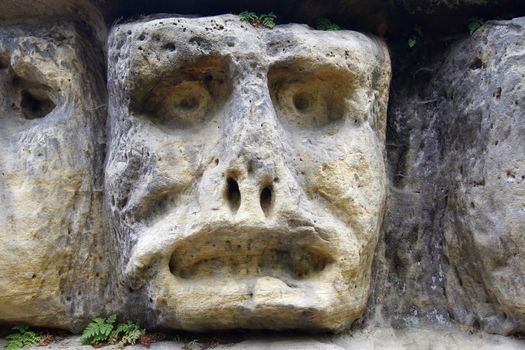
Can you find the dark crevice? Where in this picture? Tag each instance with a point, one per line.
(35, 106)
(3, 63)
(266, 200)
(233, 195)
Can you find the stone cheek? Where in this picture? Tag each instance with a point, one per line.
(245, 173)
(51, 152)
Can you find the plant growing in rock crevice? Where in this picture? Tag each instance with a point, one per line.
(416, 36)
(266, 19)
(474, 24)
(21, 338)
(326, 24)
(103, 331)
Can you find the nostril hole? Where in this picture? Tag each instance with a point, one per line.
(266, 200)
(233, 194)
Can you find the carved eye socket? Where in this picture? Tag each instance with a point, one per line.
(181, 106)
(189, 97)
(32, 100)
(35, 103)
(309, 98)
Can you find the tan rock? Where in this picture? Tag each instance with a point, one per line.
(51, 106)
(246, 175)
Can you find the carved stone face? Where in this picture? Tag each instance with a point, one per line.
(50, 89)
(246, 176)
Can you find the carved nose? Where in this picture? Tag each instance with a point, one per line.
(250, 193)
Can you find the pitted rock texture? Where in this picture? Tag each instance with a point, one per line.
(245, 172)
(484, 170)
(453, 233)
(51, 109)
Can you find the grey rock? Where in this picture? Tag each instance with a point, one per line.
(484, 170)
(453, 234)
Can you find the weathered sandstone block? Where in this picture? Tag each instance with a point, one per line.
(484, 167)
(51, 113)
(245, 173)
(453, 234)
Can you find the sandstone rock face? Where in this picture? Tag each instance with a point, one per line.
(245, 173)
(453, 244)
(51, 109)
(484, 169)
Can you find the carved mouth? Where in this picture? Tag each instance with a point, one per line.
(285, 255)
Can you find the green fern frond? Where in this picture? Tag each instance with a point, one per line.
(22, 338)
(98, 331)
(325, 24)
(247, 16)
(268, 20)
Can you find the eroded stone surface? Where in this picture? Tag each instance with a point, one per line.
(245, 176)
(454, 225)
(51, 109)
(484, 167)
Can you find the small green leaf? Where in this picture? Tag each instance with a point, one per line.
(325, 24)
(268, 20)
(474, 24)
(412, 41)
(248, 16)
(194, 344)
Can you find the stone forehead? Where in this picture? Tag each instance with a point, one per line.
(32, 51)
(151, 47)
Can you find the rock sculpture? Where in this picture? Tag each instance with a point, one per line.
(245, 174)
(51, 109)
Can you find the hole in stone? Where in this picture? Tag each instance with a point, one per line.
(301, 101)
(233, 194)
(266, 200)
(3, 63)
(170, 47)
(35, 105)
(497, 93)
(476, 64)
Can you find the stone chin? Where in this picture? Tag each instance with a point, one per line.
(245, 173)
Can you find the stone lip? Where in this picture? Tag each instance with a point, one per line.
(309, 249)
(232, 251)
